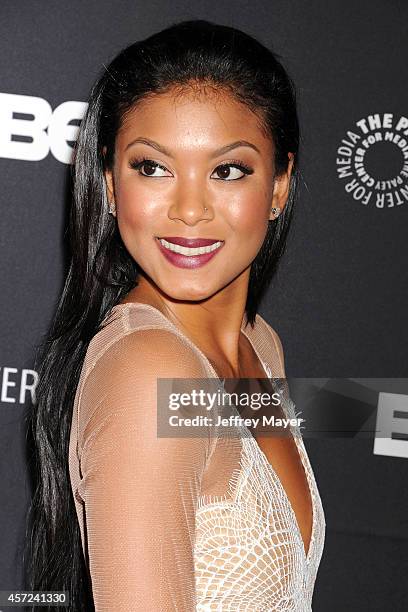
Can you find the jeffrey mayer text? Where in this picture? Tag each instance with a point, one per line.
(233, 420)
(272, 421)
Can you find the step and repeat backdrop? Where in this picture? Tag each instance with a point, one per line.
(339, 302)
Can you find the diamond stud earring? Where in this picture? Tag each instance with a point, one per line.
(112, 208)
(276, 211)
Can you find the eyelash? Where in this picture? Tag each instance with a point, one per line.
(137, 163)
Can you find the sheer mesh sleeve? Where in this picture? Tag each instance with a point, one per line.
(140, 492)
(278, 346)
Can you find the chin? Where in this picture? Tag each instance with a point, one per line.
(189, 294)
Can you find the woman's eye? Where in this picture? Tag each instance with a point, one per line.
(226, 172)
(150, 168)
(232, 172)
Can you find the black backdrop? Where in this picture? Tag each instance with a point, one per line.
(340, 300)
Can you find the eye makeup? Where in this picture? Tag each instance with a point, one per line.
(138, 163)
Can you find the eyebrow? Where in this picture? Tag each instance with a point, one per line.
(165, 151)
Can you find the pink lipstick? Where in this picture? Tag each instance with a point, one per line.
(188, 252)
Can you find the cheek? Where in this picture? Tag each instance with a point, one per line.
(139, 209)
(249, 213)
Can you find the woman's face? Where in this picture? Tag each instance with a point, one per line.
(191, 166)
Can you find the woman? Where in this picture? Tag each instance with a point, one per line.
(185, 176)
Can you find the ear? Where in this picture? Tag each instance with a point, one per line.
(281, 189)
(110, 190)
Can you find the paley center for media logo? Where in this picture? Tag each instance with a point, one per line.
(372, 160)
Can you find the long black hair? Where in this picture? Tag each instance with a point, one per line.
(102, 272)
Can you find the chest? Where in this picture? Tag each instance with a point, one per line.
(283, 455)
(278, 446)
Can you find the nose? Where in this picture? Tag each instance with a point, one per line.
(190, 202)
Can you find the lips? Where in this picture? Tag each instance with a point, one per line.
(188, 252)
(190, 242)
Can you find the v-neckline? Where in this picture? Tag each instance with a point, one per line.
(261, 453)
(268, 463)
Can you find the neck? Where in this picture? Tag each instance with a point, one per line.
(213, 324)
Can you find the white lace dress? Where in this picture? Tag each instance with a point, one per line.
(180, 524)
